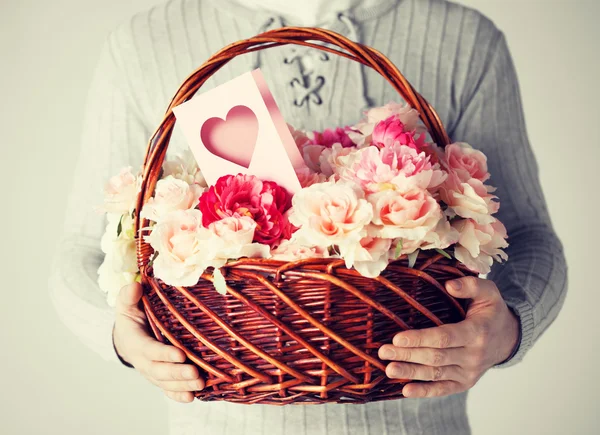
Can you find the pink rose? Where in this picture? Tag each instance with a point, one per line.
(369, 256)
(330, 213)
(120, 193)
(392, 131)
(470, 199)
(466, 162)
(394, 166)
(245, 195)
(332, 136)
(409, 215)
(479, 245)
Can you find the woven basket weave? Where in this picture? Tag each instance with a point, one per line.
(299, 332)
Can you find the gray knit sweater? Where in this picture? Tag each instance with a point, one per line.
(453, 55)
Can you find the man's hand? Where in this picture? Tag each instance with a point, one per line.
(159, 363)
(455, 356)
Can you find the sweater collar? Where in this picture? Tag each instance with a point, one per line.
(364, 10)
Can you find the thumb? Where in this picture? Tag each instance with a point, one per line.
(129, 297)
(471, 287)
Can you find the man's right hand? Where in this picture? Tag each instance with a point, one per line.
(161, 364)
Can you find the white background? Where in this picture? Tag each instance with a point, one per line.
(51, 384)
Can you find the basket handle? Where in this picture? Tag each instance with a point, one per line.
(157, 146)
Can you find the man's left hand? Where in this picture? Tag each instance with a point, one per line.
(455, 356)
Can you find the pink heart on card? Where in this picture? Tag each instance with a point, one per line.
(234, 138)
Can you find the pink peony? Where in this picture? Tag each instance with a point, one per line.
(332, 136)
(466, 162)
(470, 199)
(312, 156)
(394, 166)
(308, 177)
(410, 215)
(393, 131)
(361, 132)
(245, 195)
(300, 138)
(479, 245)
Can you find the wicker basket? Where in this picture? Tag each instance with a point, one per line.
(305, 331)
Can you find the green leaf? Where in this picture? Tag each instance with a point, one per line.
(151, 262)
(120, 226)
(398, 248)
(219, 281)
(444, 253)
(412, 258)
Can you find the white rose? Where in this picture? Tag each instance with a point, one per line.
(185, 248)
(184, 167)
(479, 245)
(369, 256)
(120, 193)
(293, 250)
(120, 247)
(111, 282)
(235, 235)
(171, 194)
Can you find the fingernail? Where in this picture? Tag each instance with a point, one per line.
(400, 341)
(456, 285)
(387, 353)
(395, 371)
(189, 374)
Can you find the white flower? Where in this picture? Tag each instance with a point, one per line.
(184, 167)
(185, 248)
(479, 245)
(171, 194)
(234, 239)
(293, 249)
(331, 161)
(120, 193)
(119, 267)
(369, 256)
(111, 282)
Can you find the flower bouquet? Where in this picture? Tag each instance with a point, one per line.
(285, 298)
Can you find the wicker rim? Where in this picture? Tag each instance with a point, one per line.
(158, 143)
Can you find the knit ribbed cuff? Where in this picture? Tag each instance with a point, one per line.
(524, 311)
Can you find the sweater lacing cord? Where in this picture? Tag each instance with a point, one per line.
(309, 84)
